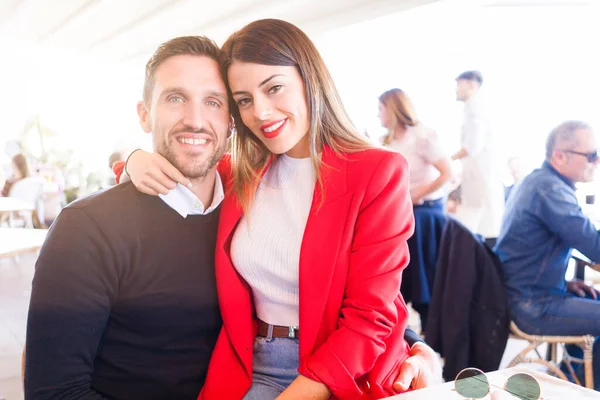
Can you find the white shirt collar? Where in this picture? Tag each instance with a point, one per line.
(185, 202)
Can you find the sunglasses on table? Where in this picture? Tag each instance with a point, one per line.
(591, 157)
(472, 383)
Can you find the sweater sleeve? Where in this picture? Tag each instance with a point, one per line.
(369, 311)
(411, 337)
(72, 289)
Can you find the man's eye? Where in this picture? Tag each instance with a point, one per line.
(175, 99)
(212, 103)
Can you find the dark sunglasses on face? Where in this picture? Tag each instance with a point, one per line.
(591, 157)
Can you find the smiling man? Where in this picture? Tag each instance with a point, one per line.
(124, 303)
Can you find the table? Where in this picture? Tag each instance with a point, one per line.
(551, 387)
(17, 241)
(581, 262)
(12, 204)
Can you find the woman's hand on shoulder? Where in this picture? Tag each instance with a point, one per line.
(153, 174)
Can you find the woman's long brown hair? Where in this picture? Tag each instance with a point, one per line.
(276, 42)
(397, 102)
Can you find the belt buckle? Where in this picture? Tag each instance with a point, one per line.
(292, 332)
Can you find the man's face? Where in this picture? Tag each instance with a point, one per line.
(188, 114)
(464, 89)
(576, 166)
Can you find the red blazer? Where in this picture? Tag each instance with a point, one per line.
(352, 317)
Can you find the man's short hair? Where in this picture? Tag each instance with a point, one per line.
(184, 45)
(564, 134)
(471, 76)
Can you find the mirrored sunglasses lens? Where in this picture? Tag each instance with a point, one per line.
(472, 383)
(523, 387)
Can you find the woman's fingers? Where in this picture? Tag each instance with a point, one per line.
(173, 173)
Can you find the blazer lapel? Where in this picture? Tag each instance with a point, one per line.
(235, 296)
(320, 245)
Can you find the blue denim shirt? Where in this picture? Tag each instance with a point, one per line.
(542, 224)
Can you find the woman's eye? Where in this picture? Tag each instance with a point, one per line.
(243, 101)
(275, 89)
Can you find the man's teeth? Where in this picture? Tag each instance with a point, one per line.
(195, 142)
(274, 127)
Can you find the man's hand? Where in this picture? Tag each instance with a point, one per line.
(579, 288)
(423, 368)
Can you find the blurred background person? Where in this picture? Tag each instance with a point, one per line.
(20, 170)
(517, 172)
(482, 190)
(429, 171)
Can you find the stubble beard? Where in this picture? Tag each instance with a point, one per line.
(198, 166)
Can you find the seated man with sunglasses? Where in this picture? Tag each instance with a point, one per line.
(542, 225)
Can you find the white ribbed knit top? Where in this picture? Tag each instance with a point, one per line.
(265, 248)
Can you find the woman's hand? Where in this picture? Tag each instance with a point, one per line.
(152, 174)
(422, 369)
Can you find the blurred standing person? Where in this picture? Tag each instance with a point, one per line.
(20, 171)
(482, 202)
(429, 172)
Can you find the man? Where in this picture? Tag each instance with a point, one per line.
(482, 191)
(543, 223)
(124, 303)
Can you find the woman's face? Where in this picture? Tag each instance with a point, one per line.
(384, 116)
(272, 104)
(16, 172)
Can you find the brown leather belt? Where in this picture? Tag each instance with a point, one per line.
(290, 332)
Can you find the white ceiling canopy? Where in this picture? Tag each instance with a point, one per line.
(117, 30)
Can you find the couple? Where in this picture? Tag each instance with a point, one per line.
(124, 298)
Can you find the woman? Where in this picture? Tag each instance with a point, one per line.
(429, 171)
(312, 235)
(20, 171)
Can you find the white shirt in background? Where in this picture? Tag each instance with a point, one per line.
(265, 248)
(482, 190)
(420, 147)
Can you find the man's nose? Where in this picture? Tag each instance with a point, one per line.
(194, 116)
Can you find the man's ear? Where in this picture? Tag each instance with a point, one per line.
(560, 157)
(144, 116)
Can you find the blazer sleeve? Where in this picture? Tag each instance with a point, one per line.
(118, 169)
(369, 310)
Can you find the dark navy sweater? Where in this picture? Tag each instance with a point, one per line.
(124, 303)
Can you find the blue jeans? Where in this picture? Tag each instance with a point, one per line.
(274, 367)
(565, 315)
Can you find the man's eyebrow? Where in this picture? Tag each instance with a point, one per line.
(219, 95)
(260, 84)
(174, 89)
(211, 93)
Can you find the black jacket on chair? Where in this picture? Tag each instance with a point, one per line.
(468, 320)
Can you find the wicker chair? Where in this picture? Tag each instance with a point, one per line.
(586, 343)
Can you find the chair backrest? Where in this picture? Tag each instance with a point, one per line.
(31, 190)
